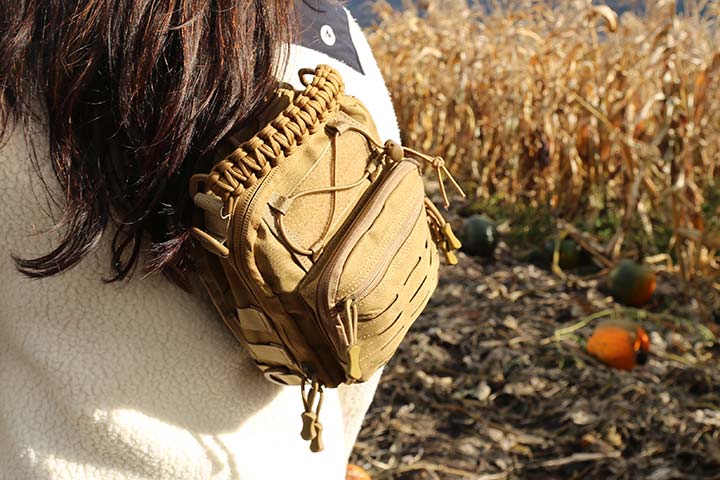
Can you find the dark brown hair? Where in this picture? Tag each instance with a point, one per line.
(134, 95)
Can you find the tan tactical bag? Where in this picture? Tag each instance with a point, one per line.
(324, 245)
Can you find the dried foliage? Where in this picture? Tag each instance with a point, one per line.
(611, 124)
(567, 105)
(493, 383)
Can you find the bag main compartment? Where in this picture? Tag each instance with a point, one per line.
(324, 238)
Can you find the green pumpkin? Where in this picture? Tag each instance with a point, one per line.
(570, 254)
(631, 283)
(479, 236)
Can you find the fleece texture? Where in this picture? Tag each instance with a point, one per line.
(141, 380)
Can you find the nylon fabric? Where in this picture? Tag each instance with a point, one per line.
(330, 245)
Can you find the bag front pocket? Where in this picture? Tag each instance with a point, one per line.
(359, 277)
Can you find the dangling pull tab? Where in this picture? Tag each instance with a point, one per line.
(450, 237)
(309, 418)
(450, 257)
(442, 233)
(316, 444)
(354, 371)
(309, 430)
(352, 368)
(312, 428)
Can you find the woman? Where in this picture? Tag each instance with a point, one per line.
(108, 368)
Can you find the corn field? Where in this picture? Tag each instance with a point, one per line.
(569, 107)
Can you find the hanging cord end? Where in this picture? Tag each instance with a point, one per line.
(442, 233)
(352, 369)
(309, 430)
(438, 163)
(316, 444)
(312, 428)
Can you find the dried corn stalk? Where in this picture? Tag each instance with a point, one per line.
(567, 104)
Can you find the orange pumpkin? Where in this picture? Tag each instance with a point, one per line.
(632, 284)
(619, 343)
(354, 472)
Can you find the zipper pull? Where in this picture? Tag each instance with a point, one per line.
(308, 429)
(352, 369)
(316, 444)
(450, 256)
(308, 416)
(450, 237)
(312, 428)
(442, 233)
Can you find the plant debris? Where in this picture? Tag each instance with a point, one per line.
(493, 382)
(559, 118)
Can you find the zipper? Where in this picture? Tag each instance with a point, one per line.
(248, 205)
(349, 329)
(244, 226)
(362, 292)
(244, 275)
(330, 275)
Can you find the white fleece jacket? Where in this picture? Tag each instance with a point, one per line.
(140, 380)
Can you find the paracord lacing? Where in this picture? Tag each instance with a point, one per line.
(255, 157)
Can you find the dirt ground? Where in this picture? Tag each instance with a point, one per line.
(493, 383)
